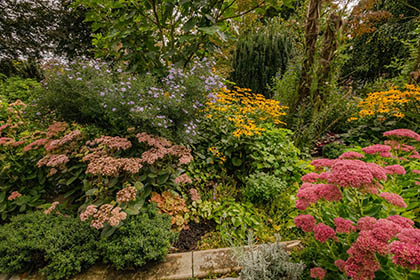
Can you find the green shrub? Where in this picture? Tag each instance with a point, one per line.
(141, 239)
(260, 55)
(59, 246)
(14, 88)
(333, 150)
(263, 188)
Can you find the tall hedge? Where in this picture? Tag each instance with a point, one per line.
(261, 54)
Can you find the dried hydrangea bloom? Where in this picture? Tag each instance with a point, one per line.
(394, 199)
(127, 194)
(14, 195)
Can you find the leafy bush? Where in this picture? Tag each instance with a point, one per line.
(333, 150)
(361, 211)
(14, 88)
(89, 92)
(141, 239)
(59, 246)
(267, 262)
(263, 188)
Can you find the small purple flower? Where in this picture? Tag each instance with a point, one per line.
(38, 113)
(102, 93)
(123, 89)
(119, 70)
(105, 105)
(114, 109)
(79, 79)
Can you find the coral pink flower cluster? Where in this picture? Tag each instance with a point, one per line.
(105, 214)
(14, 195)
(51, 208)
(126, 194)
(162, 147)
(183, 179)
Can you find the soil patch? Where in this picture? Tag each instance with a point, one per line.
(187, 240)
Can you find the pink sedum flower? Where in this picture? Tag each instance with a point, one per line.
(366, 223)
(376, 149)
(403, 133)
(401, 221)
(329, 192)
(305, 222)
(340, 264)
(310, 177)
(394, 199)
(323, 232)
(344, 226)
(395, 169)
(351, 155)
(323, 162)
(317, 272)
(51, 208)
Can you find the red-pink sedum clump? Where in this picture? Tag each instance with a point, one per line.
(395, 169)
(310, 177)
(322, 232)
(183, 179)
(114, 143)
(394, 199)
(403, 133)
(351, 155)
(317, 272)
(344, 226)
(305, 222)
(376, 149)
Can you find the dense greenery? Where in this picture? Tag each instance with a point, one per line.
(59, 246)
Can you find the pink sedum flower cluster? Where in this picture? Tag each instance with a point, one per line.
(126, 194)
(105, 214)
(317, 272)
(403, 133)
(51, 208)
(394, 199)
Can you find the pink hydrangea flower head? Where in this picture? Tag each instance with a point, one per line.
(376, 149)
(323, 232)
(402, 132)
(310, 177)
(394, 199)
(343, 225)
(305, 222)
(395, 169)
(14, 195)
(351, 155)
(317, 272)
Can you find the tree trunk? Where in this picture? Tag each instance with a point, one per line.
(311, 36)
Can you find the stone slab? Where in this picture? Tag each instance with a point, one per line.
(214, 261)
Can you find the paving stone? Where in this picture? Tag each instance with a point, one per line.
(213, 261)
